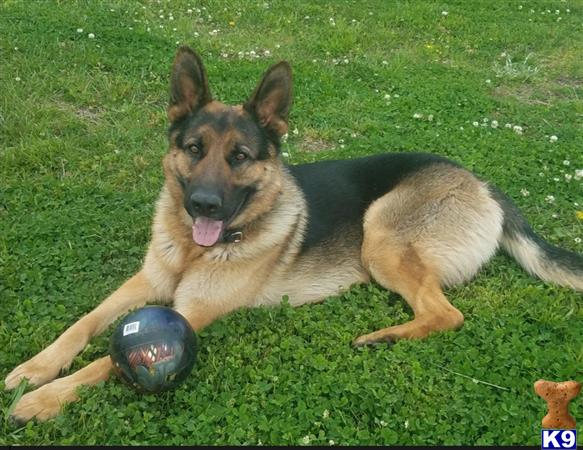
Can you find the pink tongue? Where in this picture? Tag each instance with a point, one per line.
(206, 231)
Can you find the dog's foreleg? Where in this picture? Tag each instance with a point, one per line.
(45, 402)
(47, 364)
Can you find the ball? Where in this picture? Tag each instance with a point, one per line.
(153, 349)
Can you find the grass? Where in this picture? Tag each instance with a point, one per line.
(82, 134)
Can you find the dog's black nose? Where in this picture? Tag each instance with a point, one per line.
(205, 202)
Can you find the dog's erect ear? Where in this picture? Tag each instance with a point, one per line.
(189, 88)
(271, 101)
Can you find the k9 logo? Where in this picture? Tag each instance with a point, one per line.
(559, 439)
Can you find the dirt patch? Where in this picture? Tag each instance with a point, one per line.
(87, 114)
(570, 82)
(314, 144)
(563, 89)
(525, 94)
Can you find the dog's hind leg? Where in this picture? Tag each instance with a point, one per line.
(435, 229)
(47, 364)
(401, 269)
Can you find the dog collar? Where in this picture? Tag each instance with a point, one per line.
(232, 237)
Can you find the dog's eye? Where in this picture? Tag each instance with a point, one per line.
(194, 150)
(240, 156)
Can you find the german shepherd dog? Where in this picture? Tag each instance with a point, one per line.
(234, 227)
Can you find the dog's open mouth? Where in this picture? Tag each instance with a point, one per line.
(206, 231)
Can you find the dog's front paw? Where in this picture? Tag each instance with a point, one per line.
(44, 403)
(38, 370)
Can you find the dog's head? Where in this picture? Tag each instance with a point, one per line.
(223, 160)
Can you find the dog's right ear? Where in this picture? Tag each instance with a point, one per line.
(189, 90)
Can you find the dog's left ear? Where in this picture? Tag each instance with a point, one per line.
(271, 101)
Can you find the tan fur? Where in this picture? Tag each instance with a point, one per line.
(436, 228)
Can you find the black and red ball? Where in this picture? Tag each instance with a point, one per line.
(153, 349)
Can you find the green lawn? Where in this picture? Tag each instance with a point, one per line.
(82, 134)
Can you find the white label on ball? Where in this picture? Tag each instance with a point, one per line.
(131, 328)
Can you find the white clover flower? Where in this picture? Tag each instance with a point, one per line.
(430, 117)
(417, 116)
(284, 137)
(577, 240)
(494, 124)
(568, 177)
(444, 13)
(306, 440)
(17, 79)
(406, 424)
(488, 81)
(556, 178)
(508, 125)
(578, 174)
(91, 36)
(550, 198)
(331, 442)
(79, 30)
(326, 414)
(387, 96)
(517, 129)
(296, 131)
(566, 162)
(525, 192)
(475, 123)
(382, 423)
(553, 138)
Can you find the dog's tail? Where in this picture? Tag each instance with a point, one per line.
(532, 252)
